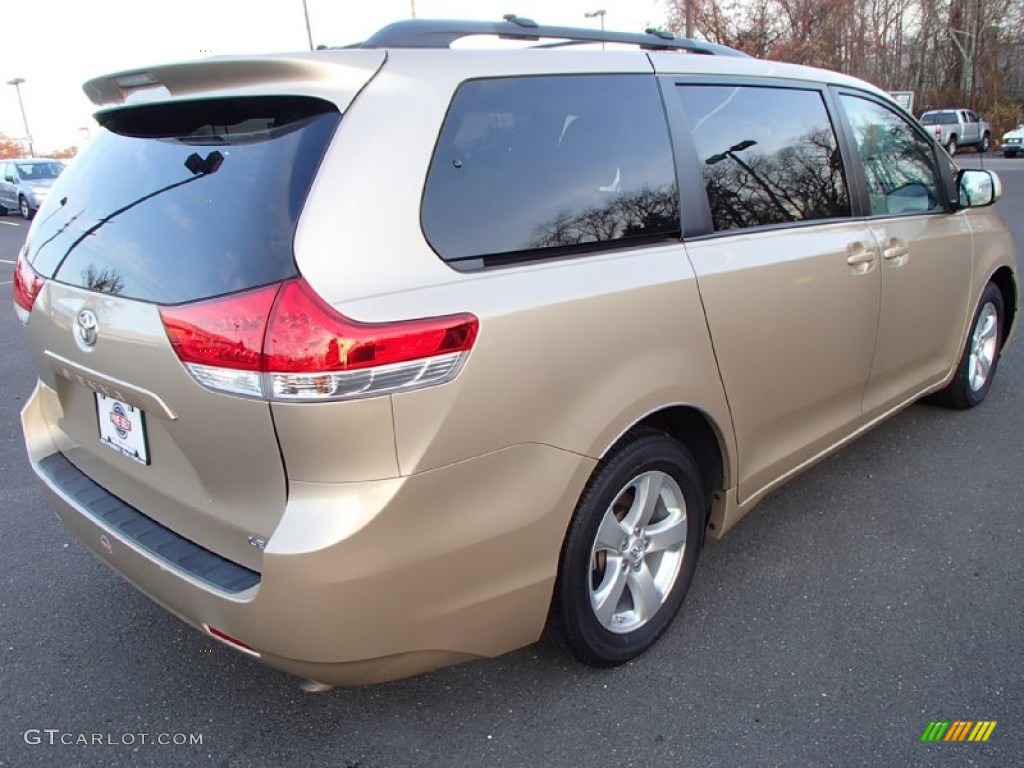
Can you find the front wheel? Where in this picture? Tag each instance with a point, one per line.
(26, 212)
(977, 366)
(1009, 154)
(630, 553)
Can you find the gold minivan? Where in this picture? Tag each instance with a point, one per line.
(365, 361)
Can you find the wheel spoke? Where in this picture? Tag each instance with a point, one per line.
(606, 597)
(646, 597)
(983, 368)
(648, 489)
(987, 326)
(669, 533)
(610, 535)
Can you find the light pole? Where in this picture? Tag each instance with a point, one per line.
(309, 31)
(16, 82)
(596, 15)
(731, 154)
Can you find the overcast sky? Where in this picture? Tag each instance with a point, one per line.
(58, 44)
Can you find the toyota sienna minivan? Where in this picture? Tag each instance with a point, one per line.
(366, 361)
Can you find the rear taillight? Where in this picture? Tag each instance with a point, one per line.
(26, 285)
(286, 343)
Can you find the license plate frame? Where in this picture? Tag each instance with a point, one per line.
(122, 428)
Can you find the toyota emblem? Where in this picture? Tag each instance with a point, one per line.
(87, 327)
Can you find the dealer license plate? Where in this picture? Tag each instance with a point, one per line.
(122, 428)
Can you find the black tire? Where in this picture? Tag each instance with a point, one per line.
(951, 145)
(3, 211)
(1009, 154)
(23, 207)
(986, 143)
(573, 622)
(965, 391)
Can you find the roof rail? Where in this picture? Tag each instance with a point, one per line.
(436, 33)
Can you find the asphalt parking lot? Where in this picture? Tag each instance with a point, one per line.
(878, 592)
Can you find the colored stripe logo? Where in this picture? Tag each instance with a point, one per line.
(958, 730)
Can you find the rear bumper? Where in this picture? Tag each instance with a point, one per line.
(365, 582)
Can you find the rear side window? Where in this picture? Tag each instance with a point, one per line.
(939, 118)
(525, 165)
(767, 155)
(177, 202)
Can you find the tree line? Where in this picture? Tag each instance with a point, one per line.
(950, 53)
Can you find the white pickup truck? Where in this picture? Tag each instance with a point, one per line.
(958, 127)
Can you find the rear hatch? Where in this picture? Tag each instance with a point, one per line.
(171, 204)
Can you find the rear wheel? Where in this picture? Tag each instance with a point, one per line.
(1007, 153)
(980, 357)
(951, 145)
(986, 143)
(630, 553)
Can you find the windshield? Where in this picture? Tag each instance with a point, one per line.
(39, 171)
(938, 118)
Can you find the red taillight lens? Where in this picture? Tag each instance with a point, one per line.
(26, 285)
(285, 342)
(307, 335)
(226, 333)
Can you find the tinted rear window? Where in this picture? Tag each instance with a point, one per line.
(939, 118)
(530, 164)
(179, 202)
(767, 155)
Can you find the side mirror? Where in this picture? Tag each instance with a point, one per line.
(976, 188)
(9, 178)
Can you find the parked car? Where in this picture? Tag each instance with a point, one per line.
(1013, 142)
(371, 360)
(25, 183)
(955, 128)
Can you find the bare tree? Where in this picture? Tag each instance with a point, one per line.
(949, 52)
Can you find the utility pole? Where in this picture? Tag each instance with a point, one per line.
(689, 18)
(412, 8)
(16, 82)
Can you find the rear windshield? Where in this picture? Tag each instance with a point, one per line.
(178, 202)
(938, 118)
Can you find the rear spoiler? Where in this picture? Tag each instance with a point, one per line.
(330, 74)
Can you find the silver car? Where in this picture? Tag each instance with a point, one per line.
(25, 183)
